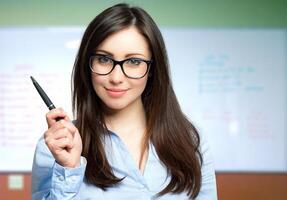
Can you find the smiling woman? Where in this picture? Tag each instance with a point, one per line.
(124, 79)
(130, 139)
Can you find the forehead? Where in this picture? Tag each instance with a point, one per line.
(126, 41)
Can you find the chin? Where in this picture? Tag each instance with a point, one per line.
(116, 106)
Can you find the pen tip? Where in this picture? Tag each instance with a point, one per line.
(32, 78)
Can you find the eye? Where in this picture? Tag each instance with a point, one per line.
(134, 61)
(103, 59)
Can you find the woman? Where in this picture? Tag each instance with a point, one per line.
(130, 139)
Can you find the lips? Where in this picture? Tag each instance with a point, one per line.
(116, 92)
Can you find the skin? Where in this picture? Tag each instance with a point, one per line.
(124, 114)
(63, 139)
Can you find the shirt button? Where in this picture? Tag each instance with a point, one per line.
(60, 178)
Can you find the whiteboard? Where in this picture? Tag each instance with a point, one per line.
(231, 83)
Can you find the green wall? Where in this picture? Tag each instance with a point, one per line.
(194, 13)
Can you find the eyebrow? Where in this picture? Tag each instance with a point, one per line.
(127, 55)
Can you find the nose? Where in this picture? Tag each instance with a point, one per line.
(116, 76)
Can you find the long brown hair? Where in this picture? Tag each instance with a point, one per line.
(175, 139)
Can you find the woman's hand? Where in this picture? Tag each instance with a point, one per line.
(63, 139)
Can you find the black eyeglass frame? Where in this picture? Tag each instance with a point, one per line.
(120, 62)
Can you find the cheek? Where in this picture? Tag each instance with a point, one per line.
(97, 82)
(140, 84)
(98, 79)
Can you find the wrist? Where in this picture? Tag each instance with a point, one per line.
(70, 165)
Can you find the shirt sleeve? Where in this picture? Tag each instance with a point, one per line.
(208, 188)
(52, 181)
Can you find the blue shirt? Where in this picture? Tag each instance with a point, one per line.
(52, 181)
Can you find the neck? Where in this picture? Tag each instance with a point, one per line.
(127, 120)
(130, 125)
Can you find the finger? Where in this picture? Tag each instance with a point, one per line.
(61, 134)
(60, 144)
(61, 129)
(63, 124)
(65, 143)
(54, 115)
(67, 125)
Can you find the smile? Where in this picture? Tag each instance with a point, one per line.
(115, 92)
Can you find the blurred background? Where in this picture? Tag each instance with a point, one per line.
(229, 69)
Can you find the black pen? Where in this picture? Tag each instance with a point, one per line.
(44, 96)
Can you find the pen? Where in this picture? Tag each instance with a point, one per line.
(44, 96)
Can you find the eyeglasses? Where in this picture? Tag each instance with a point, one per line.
(134, 68)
